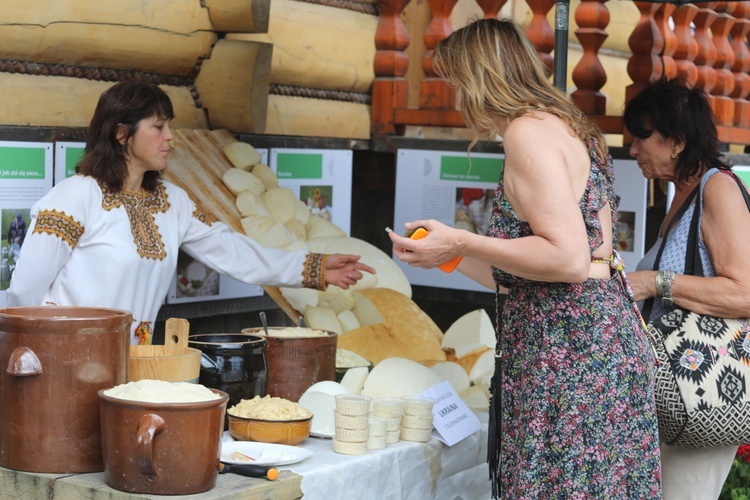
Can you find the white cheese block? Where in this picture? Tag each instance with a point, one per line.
(256, 226)
(237, 181)
(321, 405)
(266, 175)
(242, 155)
(354, 379)
(471, 328)
(348, 321)
(328, 386)
(318, 227)
(277, 236)
(463, 350)
(301, 212)
(249, 203)
(389, 275)
(395, 377)
(365, 311)
(475, 398)
(337, 299)
(297, 229)
(483, 365)
(281, 202)
(300, 298)
(454, 374)
(322, 318)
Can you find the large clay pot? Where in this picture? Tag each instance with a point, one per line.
(53, 361)
(297, 362)
(162, 448)
(232, 362)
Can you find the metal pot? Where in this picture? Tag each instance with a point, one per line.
(53, 361)
(162, 448)
(232, 362)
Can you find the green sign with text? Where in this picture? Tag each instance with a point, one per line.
(462, 168)
(299, 166)
(22, 163)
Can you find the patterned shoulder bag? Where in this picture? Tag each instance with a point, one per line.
(703, 376)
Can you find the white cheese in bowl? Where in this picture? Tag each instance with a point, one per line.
(160, 391)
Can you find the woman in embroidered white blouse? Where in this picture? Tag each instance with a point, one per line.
(109, 236)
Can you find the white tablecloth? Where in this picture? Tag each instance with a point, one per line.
(403, 470)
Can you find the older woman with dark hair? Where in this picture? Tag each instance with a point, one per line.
(109, 236)
(675, 139)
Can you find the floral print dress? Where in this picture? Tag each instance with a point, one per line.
(577, 418)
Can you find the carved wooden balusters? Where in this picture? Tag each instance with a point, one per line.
(435, 92)
(686, 47)
(741, 66)
(589, 76)
(389, 90)
(540, 33)
(723, 105)
(646, 42)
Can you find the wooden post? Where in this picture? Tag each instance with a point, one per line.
(435, 92)
(589, 76)
(389, 90)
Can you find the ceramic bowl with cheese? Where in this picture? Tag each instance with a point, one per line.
(269, 420)
(289, 432)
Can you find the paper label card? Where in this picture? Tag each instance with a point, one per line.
(452, 419)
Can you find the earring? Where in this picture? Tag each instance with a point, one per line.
(674, 156)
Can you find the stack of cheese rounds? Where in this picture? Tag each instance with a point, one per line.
(416, 423)
(378, 430)
(391, 409)
(351, 424)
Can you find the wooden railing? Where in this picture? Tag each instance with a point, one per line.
(711, 54)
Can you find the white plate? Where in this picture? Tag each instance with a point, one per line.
(263, 453)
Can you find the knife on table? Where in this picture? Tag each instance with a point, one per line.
(249, 470)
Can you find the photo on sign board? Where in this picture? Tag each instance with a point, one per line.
(319, 200)
(473, 209)
(625, 231)
(194, 279)
(14, 225)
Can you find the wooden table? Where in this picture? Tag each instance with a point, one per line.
(19, 485)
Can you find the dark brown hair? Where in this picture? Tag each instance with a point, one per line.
(124, 104)
(670, 107)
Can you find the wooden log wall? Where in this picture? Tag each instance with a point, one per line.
(322, 67)
(56, 58)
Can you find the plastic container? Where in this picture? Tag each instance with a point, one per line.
(352, 404)
(416, 405)
(349, 421)
(388, 407)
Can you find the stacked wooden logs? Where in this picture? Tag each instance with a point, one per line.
(217, 59)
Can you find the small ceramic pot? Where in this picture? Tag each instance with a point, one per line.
(162, 448)
(296, 363)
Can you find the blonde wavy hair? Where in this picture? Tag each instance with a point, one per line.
(497, 73)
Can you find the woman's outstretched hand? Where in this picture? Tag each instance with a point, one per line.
(344, 270)
(433, 250)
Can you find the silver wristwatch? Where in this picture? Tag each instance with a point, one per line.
(667, 278)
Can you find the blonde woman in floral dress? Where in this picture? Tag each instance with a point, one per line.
(572, 411)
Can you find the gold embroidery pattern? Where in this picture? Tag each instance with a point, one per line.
(59, 224)
(201, 216)
(313, 274)
(141, 209)
(143, 333)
